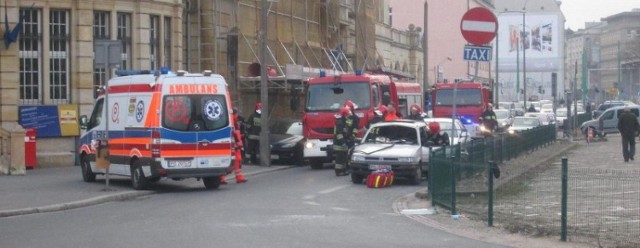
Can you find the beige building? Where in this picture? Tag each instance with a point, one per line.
(51, 63)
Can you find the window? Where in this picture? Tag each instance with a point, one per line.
(100, 32)
(167, 42)
(194, 112)
(153, 42)
(124, 36)
(96, 115)
(58, 56)
(30, 56)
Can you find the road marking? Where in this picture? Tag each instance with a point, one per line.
(309, 197)
(312, 203)
(341, 209)
(327, 191)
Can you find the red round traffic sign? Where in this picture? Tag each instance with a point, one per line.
(479, 26)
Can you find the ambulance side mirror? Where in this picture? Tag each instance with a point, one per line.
(83, 122)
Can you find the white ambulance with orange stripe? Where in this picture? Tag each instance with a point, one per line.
(167, 125)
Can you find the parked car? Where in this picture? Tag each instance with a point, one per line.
(561, 115)
(606, 105)
(397, 145)
(458, 134)
(607, 122)
(521, 123)
(286, 141)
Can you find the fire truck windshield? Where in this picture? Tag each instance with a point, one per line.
(325, 97)
(444, 97)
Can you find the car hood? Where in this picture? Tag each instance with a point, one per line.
(590, 123)
(519, 128)
(386, 150)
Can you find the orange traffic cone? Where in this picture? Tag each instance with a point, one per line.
(590, 135)
(240, 177)
(223, 179)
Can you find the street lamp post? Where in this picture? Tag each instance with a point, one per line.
(436, 69)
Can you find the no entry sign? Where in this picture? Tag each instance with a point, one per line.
(479, 26)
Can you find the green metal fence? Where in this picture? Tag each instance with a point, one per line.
(448, 165)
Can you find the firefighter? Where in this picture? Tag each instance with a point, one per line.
(238, 145)
(415, 113)
(254, 127)
(342, 136)
(391, 113)
(353, 121)
(489, 119)
(379, 114)
(434, 136)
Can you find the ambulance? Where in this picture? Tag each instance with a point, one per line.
(149, 126)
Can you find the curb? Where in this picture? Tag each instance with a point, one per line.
(105, 198)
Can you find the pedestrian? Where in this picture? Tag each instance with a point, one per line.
(254, 127)
(629, 128)
(353, 121)
(238, 145)
(489, 119)
(342, 136)
(415, 113)
(532, 108)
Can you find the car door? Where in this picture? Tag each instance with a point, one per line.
(608, 121)
(424, 149)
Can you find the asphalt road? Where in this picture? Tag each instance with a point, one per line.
(298, 207)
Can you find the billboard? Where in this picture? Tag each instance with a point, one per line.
(537, 36)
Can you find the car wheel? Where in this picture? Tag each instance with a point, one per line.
(417, 177)
(138, 181)
(356, 179)
(87, 173)
(211, 182)
(315, 164)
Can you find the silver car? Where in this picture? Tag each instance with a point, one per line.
(398, 145)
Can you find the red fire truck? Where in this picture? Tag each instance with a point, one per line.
(471, 100)
(326, 94)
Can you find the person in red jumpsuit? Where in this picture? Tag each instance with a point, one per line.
(237, 164)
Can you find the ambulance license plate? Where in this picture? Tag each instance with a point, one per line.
(179, 163)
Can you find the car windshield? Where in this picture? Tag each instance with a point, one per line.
(285, 127)
(329, 97)
(444, 97)
(525, 122)
(195, 112)
(392, 135)
(502, 114)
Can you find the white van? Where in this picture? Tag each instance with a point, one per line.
(154, 126)
(607, 122)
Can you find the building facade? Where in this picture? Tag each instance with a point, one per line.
(53, 60)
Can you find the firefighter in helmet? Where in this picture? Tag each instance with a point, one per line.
(238, 145)
(254, 127)
(379, 115)
(415, 112)
(342, 136)
(434, 137)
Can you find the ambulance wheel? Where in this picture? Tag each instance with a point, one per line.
(315, 164)
(356, 179)
(87, 173)
(211, 182)
(138, 181)
(417, 177)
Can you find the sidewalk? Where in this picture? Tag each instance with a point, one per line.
(57, 189)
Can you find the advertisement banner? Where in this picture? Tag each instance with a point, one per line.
(50, 120)
(538, 36)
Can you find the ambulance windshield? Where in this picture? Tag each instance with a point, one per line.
(195, 112)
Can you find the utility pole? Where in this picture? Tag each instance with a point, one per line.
(265, 152)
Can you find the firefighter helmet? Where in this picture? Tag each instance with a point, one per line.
(434, 127)
(383, 110)
(258, 108)
(415, 109)
(349, 104)
(344, 112)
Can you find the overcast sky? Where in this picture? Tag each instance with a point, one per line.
(577, 12)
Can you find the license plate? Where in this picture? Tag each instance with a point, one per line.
(379, 167)
(179, 163)
(275, 156)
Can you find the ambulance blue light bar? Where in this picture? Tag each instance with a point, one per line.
(163, 71)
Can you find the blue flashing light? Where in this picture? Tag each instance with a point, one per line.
(323, 73)
(163, 71)
(358, 72)
(466, 119)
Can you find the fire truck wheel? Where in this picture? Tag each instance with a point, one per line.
(211, 182)
(138, 181)
(315, 164)
(87, 173)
